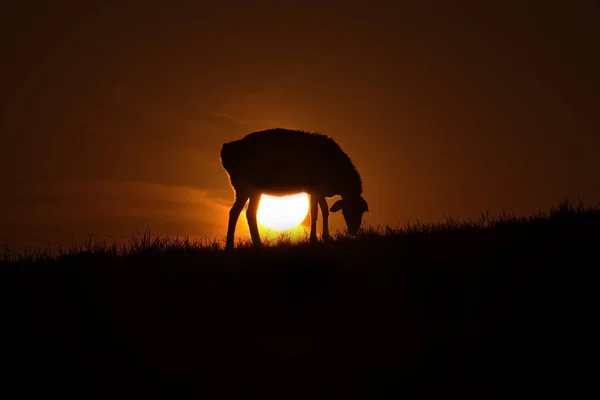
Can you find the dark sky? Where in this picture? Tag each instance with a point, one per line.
(113, 114)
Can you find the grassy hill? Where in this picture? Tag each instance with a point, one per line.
(474, 309)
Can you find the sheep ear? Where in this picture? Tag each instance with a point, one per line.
(337, 206)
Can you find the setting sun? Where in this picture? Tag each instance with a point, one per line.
(281, 213)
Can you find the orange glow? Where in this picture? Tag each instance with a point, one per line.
(282, 213)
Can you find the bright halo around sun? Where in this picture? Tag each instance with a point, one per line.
(282, 212)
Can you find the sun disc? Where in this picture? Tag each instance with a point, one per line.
(282, 212)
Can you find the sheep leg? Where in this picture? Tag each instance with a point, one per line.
(325, 215)
(234, 214)
(314, 212)
(251, 215)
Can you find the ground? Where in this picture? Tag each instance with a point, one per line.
(479, 310)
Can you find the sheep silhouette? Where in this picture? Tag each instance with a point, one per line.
(282, 161)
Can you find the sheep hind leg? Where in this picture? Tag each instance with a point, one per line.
(234, 214)
(252, 222)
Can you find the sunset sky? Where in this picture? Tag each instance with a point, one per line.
(113, 114)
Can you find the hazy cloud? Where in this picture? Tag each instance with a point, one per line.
(66, 209)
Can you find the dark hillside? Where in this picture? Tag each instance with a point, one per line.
(479, 310)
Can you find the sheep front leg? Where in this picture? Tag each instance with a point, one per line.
(325, 215)
(314, 212)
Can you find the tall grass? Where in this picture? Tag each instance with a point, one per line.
(562, 213)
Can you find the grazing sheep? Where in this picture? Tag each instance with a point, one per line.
(282, 161)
